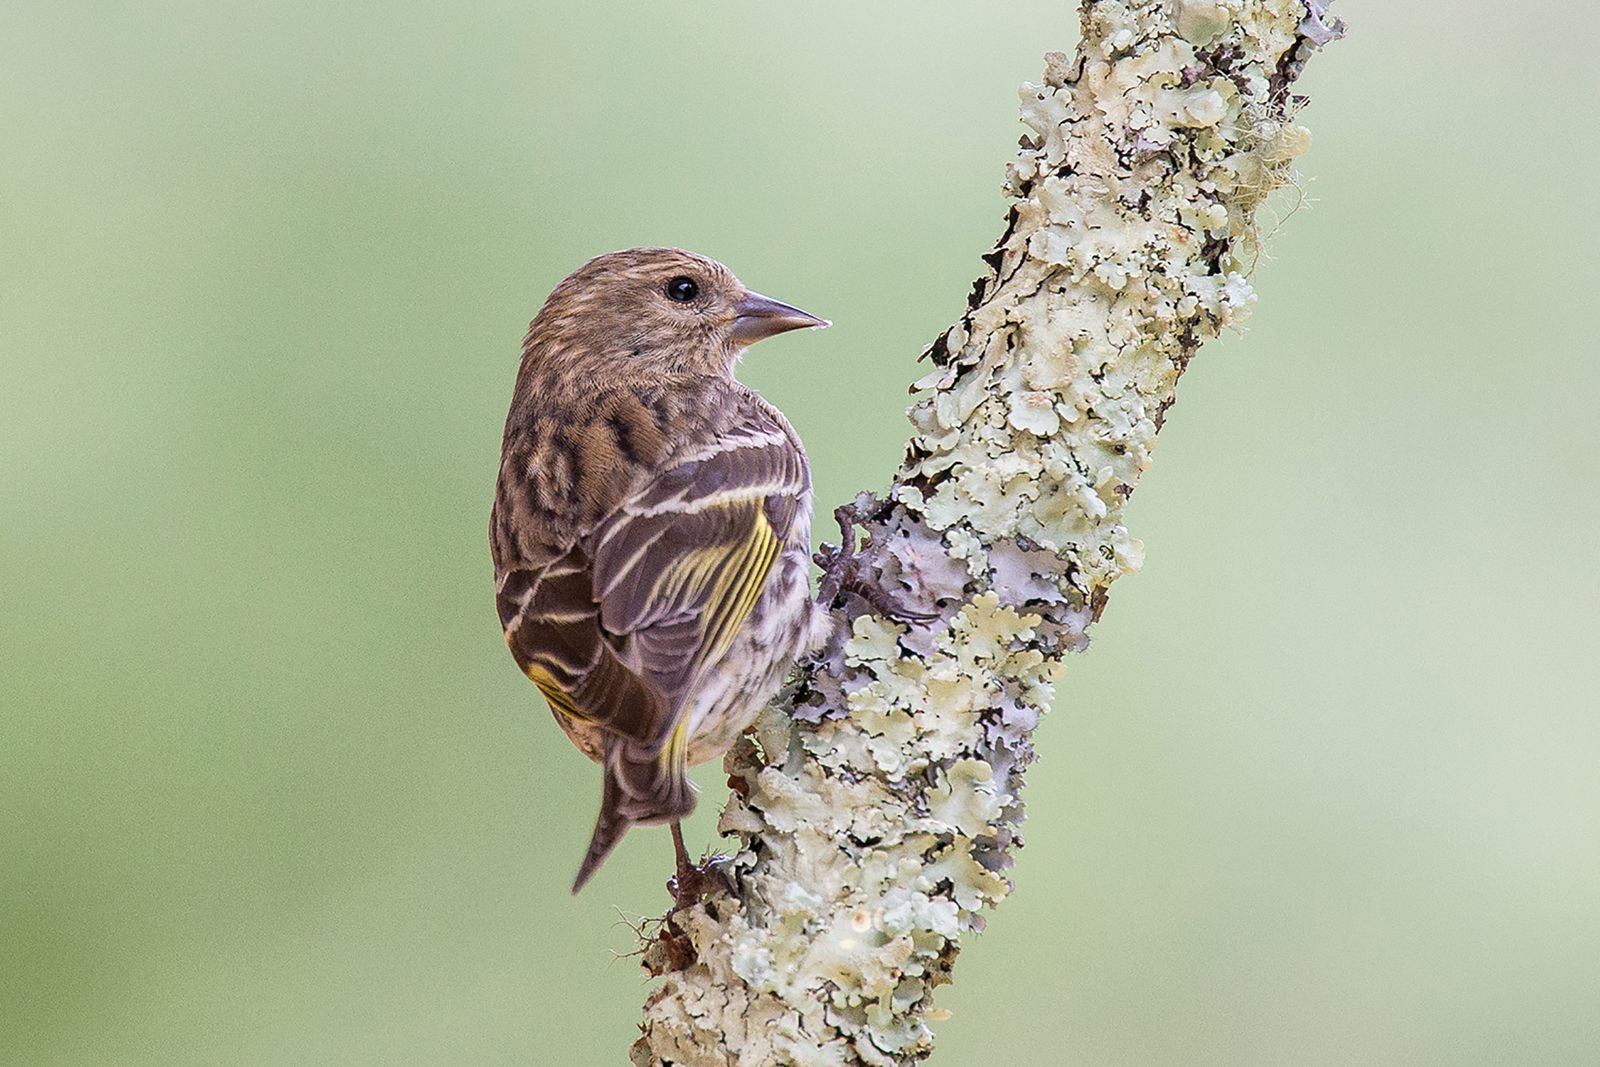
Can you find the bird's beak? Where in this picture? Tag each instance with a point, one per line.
(760, 317)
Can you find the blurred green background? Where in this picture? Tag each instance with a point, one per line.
(1325, 790)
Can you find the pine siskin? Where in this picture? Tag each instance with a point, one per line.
(652, 526)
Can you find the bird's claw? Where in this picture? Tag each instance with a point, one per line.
(841, 573)
(693, 882)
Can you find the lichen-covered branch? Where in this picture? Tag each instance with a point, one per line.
(877, 805)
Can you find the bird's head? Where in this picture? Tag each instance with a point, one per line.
(663, 309)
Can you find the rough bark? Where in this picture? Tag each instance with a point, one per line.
(876, 804)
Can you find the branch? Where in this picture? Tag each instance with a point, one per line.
(877, 803)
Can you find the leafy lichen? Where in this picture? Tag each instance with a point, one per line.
(877, 808)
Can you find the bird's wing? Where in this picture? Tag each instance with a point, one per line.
(616, 628)
(680, 565)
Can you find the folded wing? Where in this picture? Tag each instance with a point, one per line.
(618, 630)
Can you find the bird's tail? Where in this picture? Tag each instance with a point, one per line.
(635, 791)
(608, 830)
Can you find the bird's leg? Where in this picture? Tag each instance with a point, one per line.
(685, 887)
(842, 573)
(693, 881)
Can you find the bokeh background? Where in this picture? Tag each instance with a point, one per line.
(1325, 790)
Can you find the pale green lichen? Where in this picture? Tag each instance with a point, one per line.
(876, 810)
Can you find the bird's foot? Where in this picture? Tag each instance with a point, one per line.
(884, 602)
(842, 572)
(694, 882)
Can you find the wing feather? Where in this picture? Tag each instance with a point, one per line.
(682, 563)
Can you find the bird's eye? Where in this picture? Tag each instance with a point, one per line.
(682, 289)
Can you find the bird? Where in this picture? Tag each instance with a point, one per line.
(651, 528)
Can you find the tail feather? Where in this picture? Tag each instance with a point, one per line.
(635, 791)
(608, 831)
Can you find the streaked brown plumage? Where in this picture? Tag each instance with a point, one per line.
(651, 526)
